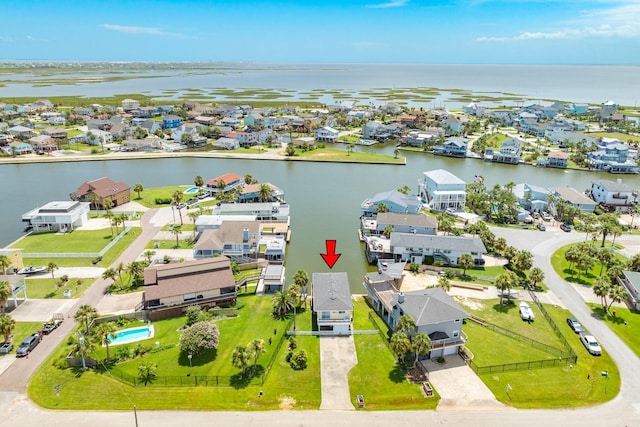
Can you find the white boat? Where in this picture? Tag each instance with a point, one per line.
(32, 270)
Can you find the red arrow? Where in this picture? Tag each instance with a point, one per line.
(331, 256)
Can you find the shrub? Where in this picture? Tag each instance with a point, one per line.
(123, 352)
(298, 360)
(163, 200)
(414, 267)
(196, 314)
(292, 343)
(199, 337)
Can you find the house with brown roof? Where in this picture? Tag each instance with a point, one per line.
(232, 239)
(231, 181)
(103, 188)
(169, 289)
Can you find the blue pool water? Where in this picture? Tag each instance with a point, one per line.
(131, 335)
(192, 190)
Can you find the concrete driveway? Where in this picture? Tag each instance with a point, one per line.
(459, 387)
(337, 357)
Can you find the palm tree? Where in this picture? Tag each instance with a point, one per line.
(149, 255)
(465, 262)
(103, 333)
(7, 323)
(177, 198)
(605, 256)
(93, 197)
(241, 358)
(382, 208)
(194, 217)
(4, 263)
(109, 273)
(86, 314)
(138, 188)
(535, 275)
(282, 303)
(406, 324)
(5, 293)
(51, 268)
(421, 346)
(387, 231)
(617, 293)
(301, 280)
(400, 344)
(396, 153)
(107, 204)
(198, 181)
(601, 289)
(147, 372)
(176, 230)
(523, 261)
(444, 283)
(110, 215)
(136, 271)
(257, 348)
(504, 282)
(264, 194)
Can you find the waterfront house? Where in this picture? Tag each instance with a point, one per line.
(245, 139)
(21, 132)
(146, 144)
(234, 239)
(151, 126)
(555, 159)
(509, 151)
(394, 202)
(453, 147)
(98, 190)
(613, 195)
(17, 148)
(98, 137)
(416, 248)
(99, 124)
(575, 198)
(399, 222)
(531, 197)
(250, 193)
(566, 138)
(169, 289)
(273, 278)
(630, 280)
(227, 143)
(304, 141)
(451, 125)
(43, 144)
(62, 216)
(332, 305)
(225, 183)
(417, 138)
(130, 104)
(327, 134)
(613, 156)
(442, 190)
(271, 211)
(392, 108)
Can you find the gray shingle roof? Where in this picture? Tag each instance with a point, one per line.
(442, 177)
(613, 185)
(430, 306)
(415, 220)
(331, 292)
(452, 243)
(396, 197)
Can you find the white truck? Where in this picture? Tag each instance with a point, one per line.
(525, 312)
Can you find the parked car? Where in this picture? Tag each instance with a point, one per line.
(590, 344)
(525, 312)
(575, 325)
(565, 227)
(451, 211)
(50, 325)
(541, 227)
(6, 348)
(28, 344)
(546, 216)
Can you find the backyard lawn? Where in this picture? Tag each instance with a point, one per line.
(149, 195)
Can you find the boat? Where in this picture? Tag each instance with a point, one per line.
(32, 270)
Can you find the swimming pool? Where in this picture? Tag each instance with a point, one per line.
(126, 336)
(192, 190)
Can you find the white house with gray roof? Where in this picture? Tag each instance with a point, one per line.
(416, 247)
(442, 190)
(575, 198)
(613, 194)
(394, 200)
(332, 303)
(406, 223)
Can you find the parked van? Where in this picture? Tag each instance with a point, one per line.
(28, 344)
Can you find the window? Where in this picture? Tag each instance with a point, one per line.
(326, 315)
(189, 297)
(457, 320)
(456, 334)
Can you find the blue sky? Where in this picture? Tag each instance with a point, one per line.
(358, 31)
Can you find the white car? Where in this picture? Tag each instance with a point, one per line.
(590, 344)
(525, 312)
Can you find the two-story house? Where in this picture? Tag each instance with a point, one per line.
(225, 183)
(327, 134)
(416, 248)
(442, 190)
(509, 152)
(332, 303)
(393, 201)
(453, 147)
(613, 195)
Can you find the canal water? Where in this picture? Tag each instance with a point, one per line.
(325, 198)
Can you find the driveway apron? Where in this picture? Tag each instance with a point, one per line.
(337, 357)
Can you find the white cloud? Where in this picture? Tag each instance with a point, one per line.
(613, 22)
(392, 3)
(152, 31)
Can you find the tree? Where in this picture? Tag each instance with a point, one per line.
(444, 283)
(523, 261)
(572, 255)
(382, 208)
(282, 303)
(257, 348)
(264, 194)
(177, 198)
(138, 188)
(81, 345)
(147, 372)
(601, 288)
(617, 293)
(298, 360)
(504, 283)
(199, 338)
(400, 344)
(241, 358)
(290, 151)
(195, 314)
(406, 324)
(387, 231)
(396, 153)
(103, 332)
(85, 314)
(605, 257)
(465, 262)
(109, 274)
(176, 231)
(198, 181)
(634, 263)
(350, 148)
(500, 245)
(148, 254)
(7, 324)
(110, 216)
(4, 263)
(136, 272)
(5, 293)
(421, 346)
(509, 253)
(608, 222)
(248, 179)
(536, 275)
(301, 281)
(51, 268)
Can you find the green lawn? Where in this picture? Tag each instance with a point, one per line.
(60, 262)
(625, 324)
(77, 241)
(46, 288)
(558, 387)
(169, 244)
(621, 136)
(377, 376)
(284, 388)
(561, 266)
(149, 195)
(334, 154)
(20, 332)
